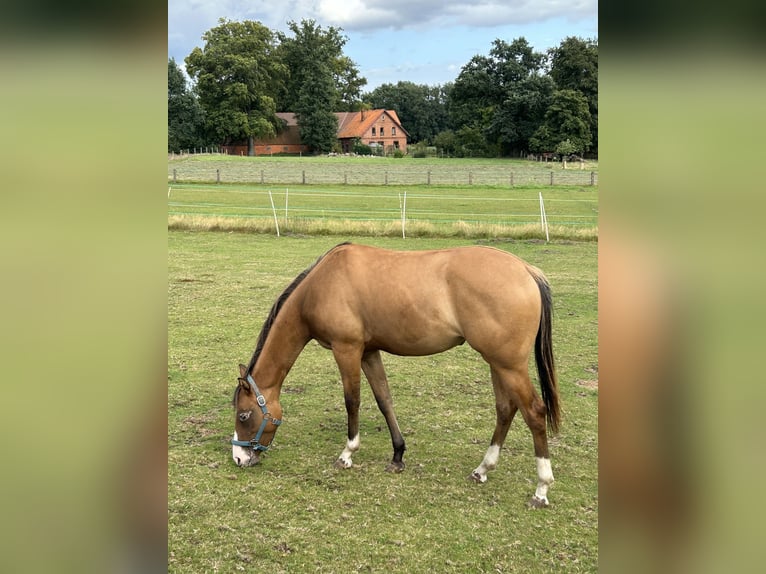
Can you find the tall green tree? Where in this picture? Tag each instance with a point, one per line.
(185, 119)
(349, 84)
(474, 94)
(574, 66)
(503, 95)
(310, 44)
(566, 119)
(316, 121)
(321, 80)
(238, 78)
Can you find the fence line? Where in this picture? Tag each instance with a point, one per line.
(384, 176)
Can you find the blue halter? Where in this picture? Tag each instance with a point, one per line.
(255, 443)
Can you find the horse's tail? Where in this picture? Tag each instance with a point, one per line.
(546, 367)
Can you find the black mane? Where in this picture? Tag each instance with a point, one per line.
(277, 307)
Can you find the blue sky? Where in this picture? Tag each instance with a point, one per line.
(421, 41)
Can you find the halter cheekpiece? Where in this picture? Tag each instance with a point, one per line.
(255, 443)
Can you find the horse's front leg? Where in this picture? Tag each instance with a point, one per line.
(349, 360)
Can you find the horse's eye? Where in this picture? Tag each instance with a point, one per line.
(244, 416)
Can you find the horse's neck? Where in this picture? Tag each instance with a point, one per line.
(287, 338)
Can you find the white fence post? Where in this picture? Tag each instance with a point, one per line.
(543, 218)
(276, 223)
(287, 193)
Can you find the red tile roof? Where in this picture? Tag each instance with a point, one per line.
(351, 124)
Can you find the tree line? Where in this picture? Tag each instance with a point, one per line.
(511, 102)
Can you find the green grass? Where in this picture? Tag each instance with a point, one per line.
(295, 512)
(487, 209)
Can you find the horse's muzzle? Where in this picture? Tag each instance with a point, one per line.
(243, 460)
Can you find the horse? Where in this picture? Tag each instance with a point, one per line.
(358, 301)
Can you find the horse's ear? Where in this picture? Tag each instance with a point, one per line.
(244, 385)
(243, 378)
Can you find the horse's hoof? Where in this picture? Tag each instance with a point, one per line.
(342, 464)
(477, 478)
(536, 502)
(395, 467)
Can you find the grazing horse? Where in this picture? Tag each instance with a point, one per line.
(358, 300)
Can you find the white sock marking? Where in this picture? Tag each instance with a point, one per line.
(351, 447)
(544, 477)
(489, 463)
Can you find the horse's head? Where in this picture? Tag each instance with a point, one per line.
(255, 422)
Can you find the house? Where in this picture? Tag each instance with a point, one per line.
(371, 127)
(376, 127)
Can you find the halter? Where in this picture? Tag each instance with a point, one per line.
(255, 443)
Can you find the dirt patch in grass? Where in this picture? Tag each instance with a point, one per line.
(587, 383)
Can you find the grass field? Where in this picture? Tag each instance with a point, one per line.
(295, 512)
(479, 210)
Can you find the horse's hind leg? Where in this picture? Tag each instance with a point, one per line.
(534, 412)
(348, 359)
(515, 384)
(372, 365)
(506, 410)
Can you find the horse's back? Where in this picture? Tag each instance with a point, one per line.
(423, 302)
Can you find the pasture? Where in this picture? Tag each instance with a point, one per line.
(489, 207)
(295, 512)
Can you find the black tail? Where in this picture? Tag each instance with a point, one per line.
(546, 368)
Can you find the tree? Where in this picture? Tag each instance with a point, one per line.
(574, 66)
(321, 80)
(311, 44)
(474, 94)
(525, 92)
(185, 119)
(566, 119)
(316, 121)
(564, 150)
(446, 141)
(521, 112)
(472, 142)
(237, 79)
(349, 84)
(503, 95)
(542, 140)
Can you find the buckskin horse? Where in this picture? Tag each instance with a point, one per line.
(358, 300)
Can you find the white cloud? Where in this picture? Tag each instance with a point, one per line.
(376, 14)
(361, 15)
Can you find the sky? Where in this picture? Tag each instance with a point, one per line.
(421, 41)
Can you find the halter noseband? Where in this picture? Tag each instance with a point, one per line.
(255, 443)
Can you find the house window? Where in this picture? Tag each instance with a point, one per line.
(373, 130)
(396, 144)
(393, 131)
(382, 129)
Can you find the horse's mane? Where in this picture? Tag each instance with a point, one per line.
(269, 322)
